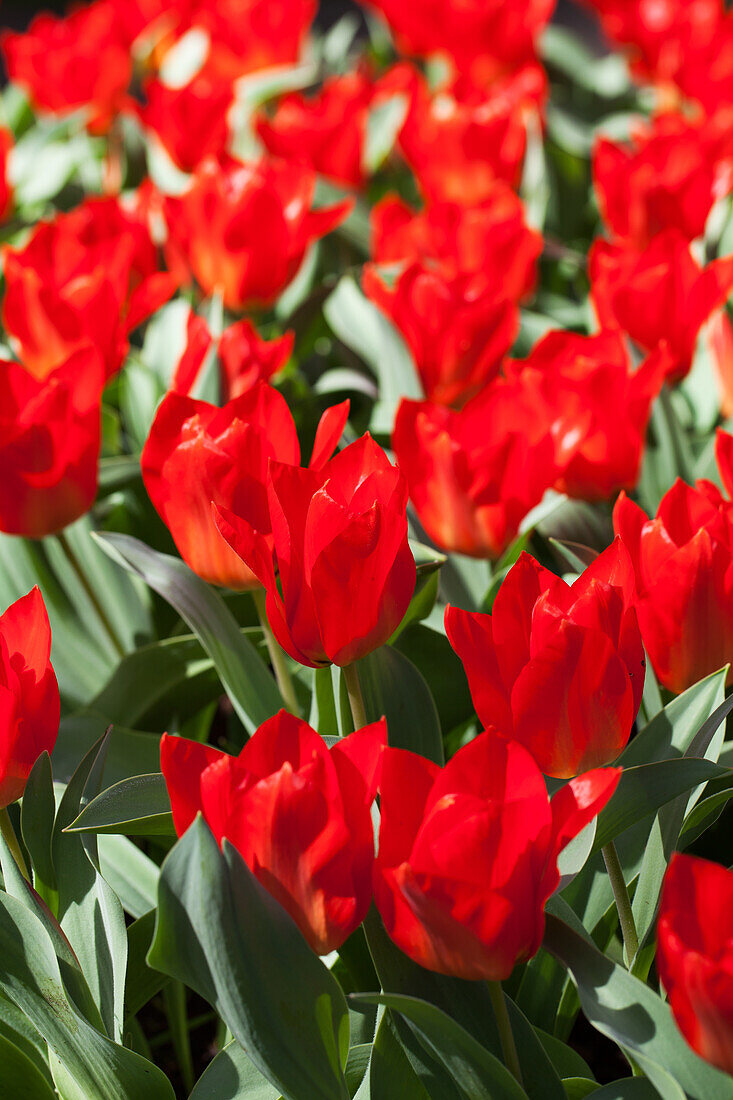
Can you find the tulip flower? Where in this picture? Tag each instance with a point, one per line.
(50, 435)
(468, 853)
(457, 329)
(342, 573)
(242, 230)
(659, 294)
(490, 241)
(597, 405)
(29, 695)
(694, 937)
(683, 561)
(297, 812)
(197, 453)
(244, 358)
(78, 61)
(557, 667)
(668, 178)
(89, 276)
(6, 190)
(474, 474)
(190, 122)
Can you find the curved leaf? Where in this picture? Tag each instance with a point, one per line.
(133, 807)
(392, 686)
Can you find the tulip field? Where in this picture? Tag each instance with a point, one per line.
(366, 550)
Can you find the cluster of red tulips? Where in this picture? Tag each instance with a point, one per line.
(261, 200)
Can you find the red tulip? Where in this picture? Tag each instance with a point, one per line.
(49, 444)
(597, 405)
(468, 853)
(658, 295)
(6, 190)
(242, 230)
(197, 453)
(475, 474)
(190, 122)
(297, 812)
(557, 667)
(78, 61)
(705, 74)
(668, 179)
(458, 329)
(342, 574)
(89, 276)
(683, 560)
(695, 954)
(490, 241)
(29, 695)
(244, 358)
(326, 133)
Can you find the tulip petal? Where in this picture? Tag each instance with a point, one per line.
(182, 763)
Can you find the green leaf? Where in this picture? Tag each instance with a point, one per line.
(671, 732)
(221, 933)
(132, 875)
(37, 816)
(475, 1071)
(366, 331)
(231, 1076)
(393, 687)
(245, 677)
(384, 122)
(631, 1015)
(86, 1064)
(141, 981)
(643, 789)
(628, 1088)
(390, 1073)
(19, 1077)
(577, 1088)
(138, 806)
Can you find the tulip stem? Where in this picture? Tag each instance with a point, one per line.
(508, 1046)
(8, 834)
(356, 699)
(623, 903)
(93, 599)
(278, 659)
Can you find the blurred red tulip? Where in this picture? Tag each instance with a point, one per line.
(242, 230)
(197, 453)
(458, 329)
(557, 667)
(597, 405)
(468, 853)
(683, 560)
(50, 436)
(6, 190)
(190, 122)
(86, 277)
(658, 294)
(342, 574)
(694, 958)
(474, 474)
(297, 812)
(244, 357)
(29, 696)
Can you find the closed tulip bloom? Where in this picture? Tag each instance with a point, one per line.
(557, 667)
(190, 122)
(197, 453)
(597, 405)
(342, 573)
(50, 437)
(683, 560)
(298, 813)
(244, 357)
(89, 276)
(468, 853)
(658, 294)
(695, 954)
(458, 329)
(242, 230)
(29, 695)
(474, 474)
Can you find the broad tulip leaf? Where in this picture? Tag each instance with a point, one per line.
(132, 875)
(390, 1073)
(141, 981)
(392, 686)
(136, 806)
(37, 816)
(19, 1076)
(222, 934)
(671, 732)
(628, 1088)
(475, 1071)
(232, 1075)
(632, 1015)
(86, 1064)
(245, 677)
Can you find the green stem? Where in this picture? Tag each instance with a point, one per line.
(508, 1046)
(175, 1006)
(8, 833)
(623, 903)
(82, 577)
(278, 659)
(356, 699)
